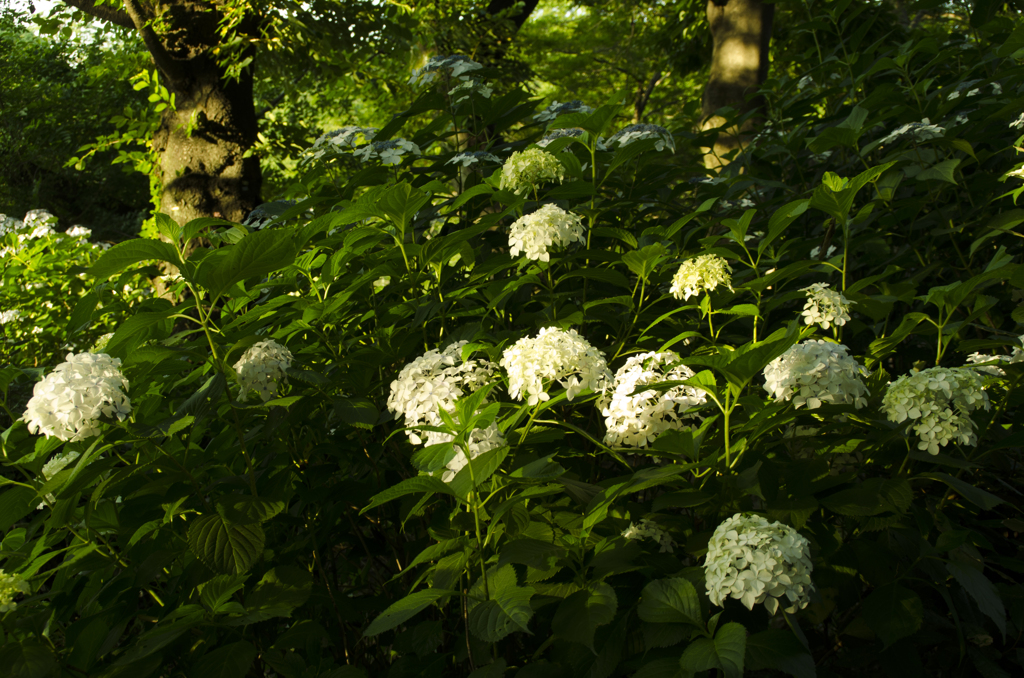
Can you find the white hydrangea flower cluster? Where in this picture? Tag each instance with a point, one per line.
(69, 401)
(9, 316)
(636, 420)
(814, 373)
(977, 358)
(454, 66)
(11, 225)
(262, 368)
(755, 561)
(526, 170)
(938, 401)
(52, 468)
(550, 226)
(662, 137)
(339, 140)
(472, 157)
(78, 232)
(11, 586)
(433, 382)
(554, 355)
(647, 529)
(704, 272)
(1018, 123)
(556, 109)
(922, 131)
(825, 307)
(389, 152)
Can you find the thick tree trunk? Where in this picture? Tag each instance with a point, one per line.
(741, 31)
(203, 143)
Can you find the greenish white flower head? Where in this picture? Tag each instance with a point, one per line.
(975, 360)
(78, 232)
(433, 382)
(527, 170)
(472, 157)
(536, 233)
(9, 316)
(339, 140)
(755, 561)
(627, 135)
(1018, 123)
(389, 152)
(701, 273)
(921, 131)
(814, 373)
(11, 586)
(938, 402)
(69, 401)
(263, 368)
(825, 307)
(554, 355)
(637, 420)
(556, 109)
(647, 529)
(454, 66)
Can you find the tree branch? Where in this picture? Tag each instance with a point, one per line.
(167, 64)
(104, 12)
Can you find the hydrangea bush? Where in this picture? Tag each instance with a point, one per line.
(634, 458)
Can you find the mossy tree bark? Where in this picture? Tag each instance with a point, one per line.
(741, 32)
(204, 142)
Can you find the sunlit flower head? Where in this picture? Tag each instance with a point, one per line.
(78, 232)
(825, 307)
(339, 140)
(702, 273)
(528, 170)
(938, 403)
(69, 401)
(637, 420)
(536, 233)
(921, 131)
(11, 586)
(389, 152)
(554, 355)
(468, 158)
(814, 373)
(755, 561)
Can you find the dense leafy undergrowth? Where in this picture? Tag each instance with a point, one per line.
(809, 319)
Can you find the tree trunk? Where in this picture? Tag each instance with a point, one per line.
(202, 145)
(741, 31)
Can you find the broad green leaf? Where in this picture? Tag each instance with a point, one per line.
(246, 510)
(227, 661)
(779, 650)
(645, 261)
(579, 615)
(730, 645)
(670, 601)
(532, 552)
(279, 593)
(507, 611)
(219, 590)
(223, 547)
(983, 591)
(977, 496)
(137, 329)
(257, 254)
(662, 668)
(942, 171)
(29, 658)
(403, 610)
(81, 316)
(123, 255)
(892, 612)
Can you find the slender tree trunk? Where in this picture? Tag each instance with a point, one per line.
(741, 31)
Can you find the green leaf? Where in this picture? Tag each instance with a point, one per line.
(508, 610)
(730, 645)
(983, 591)
(645, 261)
(246, 510)
(978, 497)
(219, 590)
(15, 504)
(892, 612)
(403, 610)
(28, 658)
(137, 329)
(358, 412)
(532, 552)
(779, 650)
(123, 255)
(662, 668)
(256, 254)
(670, 601)
(224, 547)
(942, 171)
(81, 316)
(408, 486)
(228, 661)
(579, 615)
(279, 593)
